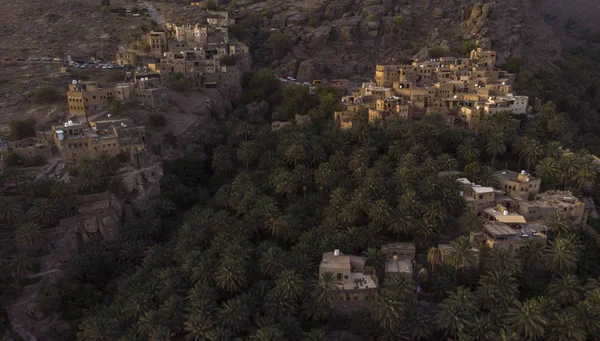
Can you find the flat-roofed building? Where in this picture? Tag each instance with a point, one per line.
(522, 184)
(500, 235)
(501, 214)
(567, 204)
(349, 271)
(477, 197)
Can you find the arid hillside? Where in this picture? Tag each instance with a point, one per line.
(347, 37)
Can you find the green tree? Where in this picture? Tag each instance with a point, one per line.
(280, 44)
(495, 147)
(289, 285)
(234, 315)
(527, 319)
(198, 325)
(565, 326)
(28, 235)
(327, 289)
(566, 289)
(560, 257)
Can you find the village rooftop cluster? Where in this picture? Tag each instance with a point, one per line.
(512, 212)
(458, 89)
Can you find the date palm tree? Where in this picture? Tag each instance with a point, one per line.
(532, 254)
(547, 169)
(434, 258)
(315, 335)
(568, 166)
(560, 257)
(11, 210)
(272, 261)
(495, 147)
(504, 260)
(566, 289)
(234, 315)
(497, 289)
(558, 224)
(267, 333)
(565, 327)
(247, 153)
(387, 311)
(28, 235)
(231, 274)
(468, 150)
(586, 171)
(526, 319)
(289, 285)
(20, 263)
(197, 326)
(327, 289)
(461, 254)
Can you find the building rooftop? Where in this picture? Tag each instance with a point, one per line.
(501, 231)
(522, 177)
(357, 281)
(331, 261)
(481, 189)
(399, 264)
(506, 217)
(561, 199)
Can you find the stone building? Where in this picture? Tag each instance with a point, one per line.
(76, 141)
(457, 89)
(87, 98)
(349, 271)
(522, 184)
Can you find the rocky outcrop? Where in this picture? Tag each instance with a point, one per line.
(141, 182)
(356, 35)
(99, 219)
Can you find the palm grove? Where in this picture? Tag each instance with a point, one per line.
(231, 249)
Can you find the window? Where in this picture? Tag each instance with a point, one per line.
(339, 277)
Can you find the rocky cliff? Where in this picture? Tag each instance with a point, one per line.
(342, 38)
(99, 219)
(141, 181)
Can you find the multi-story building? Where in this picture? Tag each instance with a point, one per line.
(77, 141)
(157, 42)
(467, 89)
(478, 198)
(349, 271)
(567, 204)
(87, 98)
(522, 184)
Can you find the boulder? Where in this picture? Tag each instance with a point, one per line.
(306, 71)
(297, 19)
(320, 37)
(91, 225)
(438, 12)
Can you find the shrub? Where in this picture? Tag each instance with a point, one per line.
(513, 64)
(466, 48)
(180, 83)
(115, 106)
(157, 120)
(313, 22)
(44, 95)
(21, 129)
(371, 17)
(399, 22)
(228, 60)
(14, 160)
(438, 52)
(48, 299)
(280, 44)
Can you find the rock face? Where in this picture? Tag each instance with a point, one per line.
(99, 219)
(141, 183)
(356, 35)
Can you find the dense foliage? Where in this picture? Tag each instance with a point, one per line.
(574, 87)
(231, 249)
